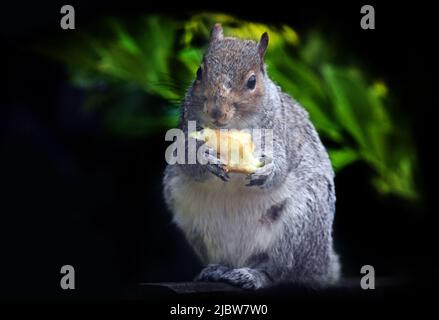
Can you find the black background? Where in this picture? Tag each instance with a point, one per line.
(73, 194)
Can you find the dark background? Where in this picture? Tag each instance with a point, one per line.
(71, 193)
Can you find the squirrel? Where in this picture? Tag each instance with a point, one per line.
(275, 225)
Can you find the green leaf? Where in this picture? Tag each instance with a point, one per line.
(341, 158)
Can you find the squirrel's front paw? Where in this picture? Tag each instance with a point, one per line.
(261, 176)
(215, 165)
(213, 272)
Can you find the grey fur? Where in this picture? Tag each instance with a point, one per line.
(276, 225)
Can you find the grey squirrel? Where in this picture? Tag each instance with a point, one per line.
(275, 225)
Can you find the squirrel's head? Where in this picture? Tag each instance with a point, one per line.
(229, 85)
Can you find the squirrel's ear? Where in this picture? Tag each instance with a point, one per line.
(263, 44)
(217, 32)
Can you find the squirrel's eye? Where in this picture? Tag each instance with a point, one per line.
(251, 82)
(199, 74)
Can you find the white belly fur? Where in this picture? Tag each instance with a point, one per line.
(227, 215)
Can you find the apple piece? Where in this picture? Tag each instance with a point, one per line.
(234, 147)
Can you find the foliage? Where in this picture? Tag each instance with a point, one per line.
(136, 73)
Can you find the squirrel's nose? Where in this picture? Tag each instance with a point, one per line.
(216, 113)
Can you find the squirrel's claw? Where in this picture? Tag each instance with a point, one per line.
(245, 278)
(218, 171)
(212, 272)
(261, 176)
(216, 166)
